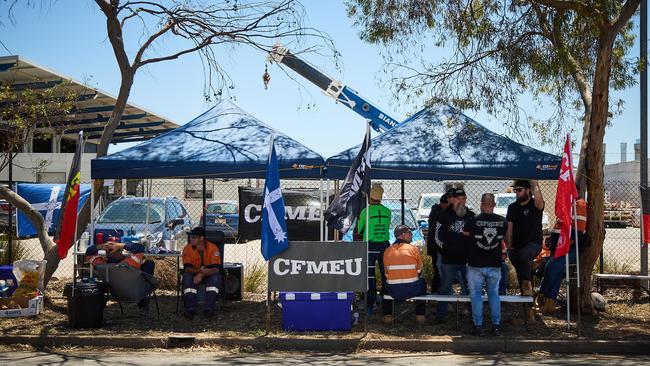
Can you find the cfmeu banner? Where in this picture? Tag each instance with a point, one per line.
(313, 266)
(302, 213)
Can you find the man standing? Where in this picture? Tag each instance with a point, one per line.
(453, 246)
(201, 264)
(555, 267)
(403, 266)
(431, 243)
(524, 235)
(487, 231)
(377, 236)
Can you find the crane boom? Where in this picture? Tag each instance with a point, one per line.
(379, 120)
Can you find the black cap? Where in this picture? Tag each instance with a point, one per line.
(450, 192)
(521, 183)
(459, 192)
(443, 198)
(197, 231)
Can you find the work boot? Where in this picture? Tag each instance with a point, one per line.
(496, 330)
(479, 331)
(526, 288)
(387, 319)
(548, 307)
(420, 319)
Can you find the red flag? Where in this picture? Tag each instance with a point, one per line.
(71, 204)
(566, 194)
(645, 213)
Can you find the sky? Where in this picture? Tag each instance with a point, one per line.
(69, 37)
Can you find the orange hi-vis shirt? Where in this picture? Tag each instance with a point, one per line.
(581, 217)
(402, 263)
(211, 256)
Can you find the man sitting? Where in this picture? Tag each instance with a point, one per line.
(113, 252)
(201, 262)
(403, 264)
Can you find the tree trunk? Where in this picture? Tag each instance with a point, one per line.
(581, 181)
(594, 168)
(50, 249)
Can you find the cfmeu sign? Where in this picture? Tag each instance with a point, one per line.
(320, 267)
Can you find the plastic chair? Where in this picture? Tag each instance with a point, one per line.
(127, 284)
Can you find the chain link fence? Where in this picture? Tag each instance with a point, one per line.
(183, 199)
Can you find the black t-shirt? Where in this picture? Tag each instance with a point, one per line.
(486, 230)
(431, 244)
(449, 236)
(526, 223)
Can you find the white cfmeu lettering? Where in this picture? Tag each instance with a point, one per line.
(351, 267)
(276, 267)
(247, 213)
(253, 213)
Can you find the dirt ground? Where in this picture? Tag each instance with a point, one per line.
(627, 316)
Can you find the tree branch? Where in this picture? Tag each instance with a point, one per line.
(626, 13)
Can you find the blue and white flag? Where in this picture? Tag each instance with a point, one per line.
(46, 199)
(274, 229)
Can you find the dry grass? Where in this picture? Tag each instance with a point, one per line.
(626, 317)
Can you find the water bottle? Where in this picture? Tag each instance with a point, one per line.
(4, 289)
(355, 317)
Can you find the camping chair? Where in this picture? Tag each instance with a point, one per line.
(218, 238)
(127, 284)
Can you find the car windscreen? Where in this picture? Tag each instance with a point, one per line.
(132, 212)
(505, 201)
(222, 208)
(429, 201)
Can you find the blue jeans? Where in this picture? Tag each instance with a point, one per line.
(503, 284)
(554, 273)
(477, 278)
(449, 273)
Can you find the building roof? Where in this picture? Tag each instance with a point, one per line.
(93, 107)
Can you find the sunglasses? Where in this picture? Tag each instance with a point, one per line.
(193, 236)
(518, 189)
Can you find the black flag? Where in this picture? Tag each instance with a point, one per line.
(352, 197)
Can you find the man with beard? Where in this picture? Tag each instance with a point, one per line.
(453, 246)
(524, 234)
(431, 243)
(487, 231)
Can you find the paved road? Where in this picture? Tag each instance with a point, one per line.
(362, 359)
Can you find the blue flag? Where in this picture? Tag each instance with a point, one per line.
(46, 199)
(274, 229)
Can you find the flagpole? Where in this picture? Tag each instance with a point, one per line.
(321, 209)
(74, 241)
(367, 235)
(327, 203)
(575, 224)
(268, 293)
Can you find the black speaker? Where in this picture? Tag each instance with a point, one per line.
(233, 281)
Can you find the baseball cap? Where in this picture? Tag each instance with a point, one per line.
(521, 183)
(459, 192)
(443, 198)
(197, 231)
(401, 229)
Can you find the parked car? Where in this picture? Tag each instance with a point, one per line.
(503, 200)
(395, 207)
(224, 216)
(425, 202)
(4, 214)
(167, 219)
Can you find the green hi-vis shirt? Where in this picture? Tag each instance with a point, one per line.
(379, 223)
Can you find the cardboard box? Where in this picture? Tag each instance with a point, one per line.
(29, 307)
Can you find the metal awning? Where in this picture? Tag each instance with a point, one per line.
(93, 107)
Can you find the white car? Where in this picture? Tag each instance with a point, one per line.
(503, 200)
(425, 202)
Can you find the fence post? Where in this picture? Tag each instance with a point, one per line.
(644, 124)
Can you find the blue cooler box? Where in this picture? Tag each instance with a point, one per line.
(7, 274)
(314, 311)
